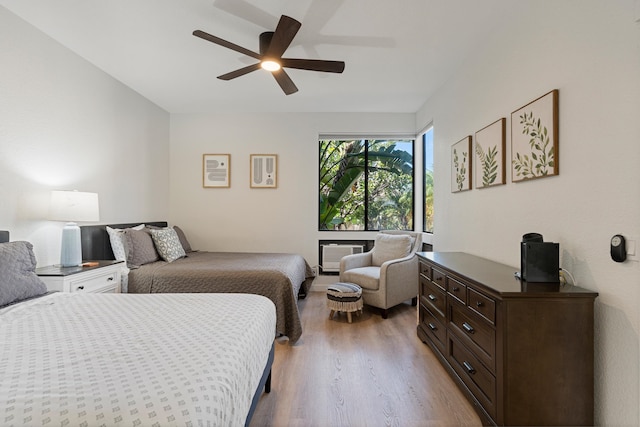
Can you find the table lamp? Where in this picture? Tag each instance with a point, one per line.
(72, 207)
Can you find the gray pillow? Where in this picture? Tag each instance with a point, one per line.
(168, 244)
(139, 247)
(18, 279)
(117, 244)
(183, 239)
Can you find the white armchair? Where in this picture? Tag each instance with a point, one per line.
(388, 273)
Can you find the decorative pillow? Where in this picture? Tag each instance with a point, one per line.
(18, 279)
(117, 245)
(139, 247)
(390, 246)
(183, 239)
(168, 244)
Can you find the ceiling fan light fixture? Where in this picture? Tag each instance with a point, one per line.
(270, 65)
(273, 45)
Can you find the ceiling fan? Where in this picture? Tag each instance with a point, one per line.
(273, 44)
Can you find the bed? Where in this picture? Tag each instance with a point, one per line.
(130, 359)
(283, 278)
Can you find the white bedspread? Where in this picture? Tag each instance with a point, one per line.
(116, 359)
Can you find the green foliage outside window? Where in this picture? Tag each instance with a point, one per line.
(366, 184)
(427, 148)
(428, 201)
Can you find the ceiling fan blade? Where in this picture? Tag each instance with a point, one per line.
(313, 65)
(285, 81)
(227, 44)
(283, 36)
(240, 72)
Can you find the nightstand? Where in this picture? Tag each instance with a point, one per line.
(102, 278)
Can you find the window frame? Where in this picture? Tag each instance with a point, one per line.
(372, 138)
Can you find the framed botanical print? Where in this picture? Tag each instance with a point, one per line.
(490, 153)
(216, 169)
(263, 170)
(534, 139)
(461, 165)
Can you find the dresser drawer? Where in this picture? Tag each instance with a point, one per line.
(477, 334)
(102, 283)
(433, 296)
(476, 377)
(434, 329)
(439, 278)
(457, 289)
(483, 305)
(425, 270)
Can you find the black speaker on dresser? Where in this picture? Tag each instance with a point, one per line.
(539, 260)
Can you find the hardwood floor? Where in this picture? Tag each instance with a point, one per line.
(372, 372)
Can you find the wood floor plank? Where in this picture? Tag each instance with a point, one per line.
(372, 372)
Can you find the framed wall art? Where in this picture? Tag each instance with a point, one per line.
(461, 165)
(264, 170)
(534, 139)
(216, 170)
(490, 154)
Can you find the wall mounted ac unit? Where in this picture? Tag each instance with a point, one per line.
(331, 255)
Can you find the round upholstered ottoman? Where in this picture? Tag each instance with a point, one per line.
(345, 297)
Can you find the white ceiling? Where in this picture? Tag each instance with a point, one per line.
(397, 52)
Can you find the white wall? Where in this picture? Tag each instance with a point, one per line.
(240, 218)
(590, 51)
(66, 125)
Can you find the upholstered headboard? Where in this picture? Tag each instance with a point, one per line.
(95, 239)
(4, 236)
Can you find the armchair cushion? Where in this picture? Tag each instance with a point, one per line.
(390, 246)
(365, 277)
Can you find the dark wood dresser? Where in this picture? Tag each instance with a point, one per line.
(521, 352)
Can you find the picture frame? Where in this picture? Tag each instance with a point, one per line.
(534, 139)
(489, 151)
(263, 170)
(461, 164)
(216, 170)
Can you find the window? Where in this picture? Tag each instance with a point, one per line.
(427, 149)
(366, 184)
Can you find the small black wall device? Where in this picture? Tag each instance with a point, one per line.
(539, 261)
(618, 248)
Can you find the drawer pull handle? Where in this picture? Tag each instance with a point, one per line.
(110, 279)
(432, 326)
(456, 289)
(467, 327)
(439, 278)
(479, 304)
(79, 288)
(468, 367)
(432, 297)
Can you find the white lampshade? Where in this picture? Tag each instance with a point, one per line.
(72, 206)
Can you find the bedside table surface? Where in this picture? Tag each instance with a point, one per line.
(56, 270)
